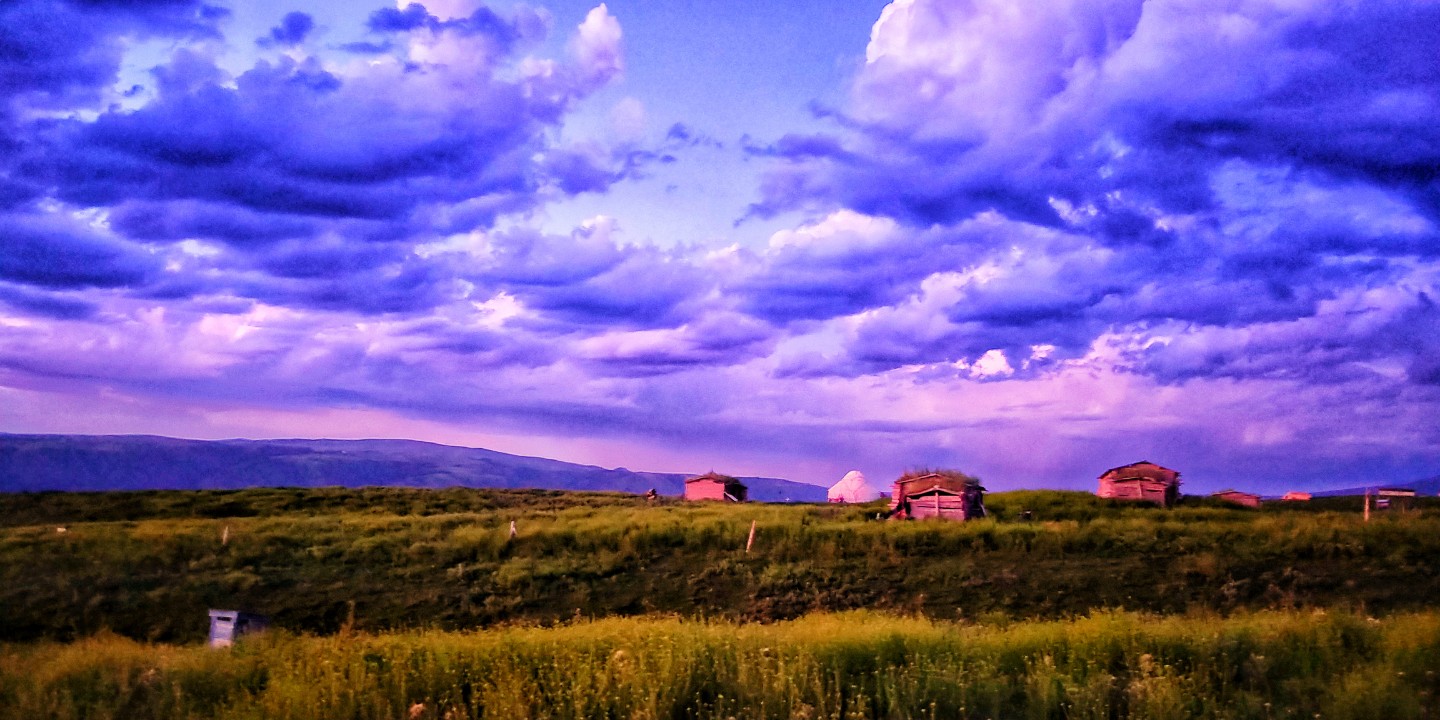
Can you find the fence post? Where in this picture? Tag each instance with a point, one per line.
(751, 540)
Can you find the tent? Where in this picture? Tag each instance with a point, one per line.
(853, 488)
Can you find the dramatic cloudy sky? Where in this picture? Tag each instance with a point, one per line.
(1029, 240)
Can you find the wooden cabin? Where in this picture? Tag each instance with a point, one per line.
(1394, 499)
(714, 486)
(1237, 497)
(949, 496)
(1141, 482)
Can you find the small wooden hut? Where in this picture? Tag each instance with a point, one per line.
(948, 495)
(1237, 497)
(1394, 499)
(1142, 482)
(714, 486)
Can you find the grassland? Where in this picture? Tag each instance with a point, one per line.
(605, 606)
(148, 565)
(850, 665)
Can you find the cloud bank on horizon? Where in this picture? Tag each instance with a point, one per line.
(1031, 245)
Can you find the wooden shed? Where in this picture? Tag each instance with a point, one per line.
(1238, 497)
(1143, 481)
(947, 494)
(714, 486)
(1394, 498)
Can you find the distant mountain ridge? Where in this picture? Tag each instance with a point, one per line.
(1427, 486)
(30, 463)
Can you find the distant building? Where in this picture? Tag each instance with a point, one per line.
(1296, 496)
(1237, 497)
(947, 495)
(714, 486)
(1142, 482)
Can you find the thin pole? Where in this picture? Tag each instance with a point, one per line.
(1367, 504)
(751, 540)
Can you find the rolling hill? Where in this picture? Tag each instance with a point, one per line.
(30, 463)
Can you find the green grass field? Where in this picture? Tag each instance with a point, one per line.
(850, 665)
(603, 606)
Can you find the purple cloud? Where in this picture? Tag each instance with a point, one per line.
(1027, 243)
(52, 253)
(291, 31)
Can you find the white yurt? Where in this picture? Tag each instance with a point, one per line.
(853, 488)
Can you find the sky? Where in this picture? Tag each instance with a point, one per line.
(1031, 241)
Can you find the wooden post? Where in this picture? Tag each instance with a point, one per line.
(1367, 504)
(751, 540)
(937, 505)
(225, 536)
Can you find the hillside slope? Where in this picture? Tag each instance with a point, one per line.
(30, 463)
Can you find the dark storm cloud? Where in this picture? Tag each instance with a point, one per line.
(1077, 102)
(55, 53)
(645, 290)
(799, 147)
(579, 172)
(291, 31)
(55, 253)
(843, 271)
(1219, 173)
(288, 138)
(45, 304)
(587, 279)
(412, 17)
(713, 341)
(287, 183)
(523, 24)
(181, 219)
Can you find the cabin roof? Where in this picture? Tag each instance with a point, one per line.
(934, 490)
(713, 476)
(938, 479)
(1234, 492)
(1143, 470)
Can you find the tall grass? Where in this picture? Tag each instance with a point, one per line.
(848, 665)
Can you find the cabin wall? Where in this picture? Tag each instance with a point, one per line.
(903, 488)
(1242, 499)
(713, 490)
(1139, 490)
(705, 490)
(950, 508)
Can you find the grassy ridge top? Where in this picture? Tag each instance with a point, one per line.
(148, 565)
